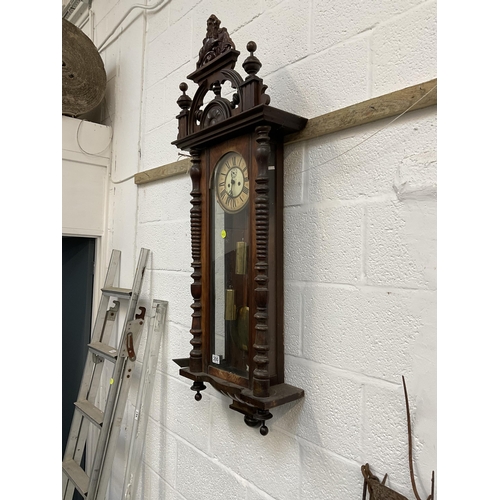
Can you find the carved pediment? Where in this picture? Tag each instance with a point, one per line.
(215, 66)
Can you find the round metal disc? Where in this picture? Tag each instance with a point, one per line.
(83, 73)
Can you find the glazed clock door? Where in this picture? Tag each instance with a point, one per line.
(229, 233)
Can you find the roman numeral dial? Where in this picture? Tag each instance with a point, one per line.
(232, 182)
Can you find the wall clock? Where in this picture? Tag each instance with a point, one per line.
(235, 140)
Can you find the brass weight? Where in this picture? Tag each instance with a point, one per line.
(230, 307)
(241, 258)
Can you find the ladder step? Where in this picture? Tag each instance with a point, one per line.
(76, 475)
(90, 411)
(104, 351)
(114, 291)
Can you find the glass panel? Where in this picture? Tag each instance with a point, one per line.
(229, 276)
(218, 273)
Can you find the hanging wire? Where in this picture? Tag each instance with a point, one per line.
(367, 138)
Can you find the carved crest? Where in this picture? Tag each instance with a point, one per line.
(215, 43)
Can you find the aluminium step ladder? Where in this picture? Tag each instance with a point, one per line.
(93, 485)
(143, 401)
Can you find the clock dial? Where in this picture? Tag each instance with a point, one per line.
(233, 185)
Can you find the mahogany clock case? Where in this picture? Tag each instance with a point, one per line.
(249, 368)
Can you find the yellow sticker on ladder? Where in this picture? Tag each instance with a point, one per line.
(111, 382)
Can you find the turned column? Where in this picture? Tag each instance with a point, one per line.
(195, 356)
(261, 382)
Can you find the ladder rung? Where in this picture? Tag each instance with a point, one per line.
(76, 475)
(104, 351)
(90, 411)
(114, 291)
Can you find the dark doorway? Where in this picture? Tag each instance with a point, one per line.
(77, 283)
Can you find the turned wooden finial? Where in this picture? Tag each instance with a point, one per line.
(184, 100)
(251, 64)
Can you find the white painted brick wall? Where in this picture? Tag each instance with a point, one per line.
(327, 235)
(360, 246)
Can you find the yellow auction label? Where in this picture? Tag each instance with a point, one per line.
(223, 233)
(111, 381)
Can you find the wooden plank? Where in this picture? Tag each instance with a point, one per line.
(378, 108)
(411, 98)
(169, 170)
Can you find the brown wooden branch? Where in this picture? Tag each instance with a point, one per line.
(410, 451)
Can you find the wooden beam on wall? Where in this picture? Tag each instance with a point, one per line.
(385, 106)
(378, 108)
(169, 170)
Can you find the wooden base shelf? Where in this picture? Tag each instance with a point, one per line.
(243, 399)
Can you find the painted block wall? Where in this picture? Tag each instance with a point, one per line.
(360, 247)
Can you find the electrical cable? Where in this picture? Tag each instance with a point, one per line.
(100, 152)
(88, 152)
(143, 7)
(123, 180)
